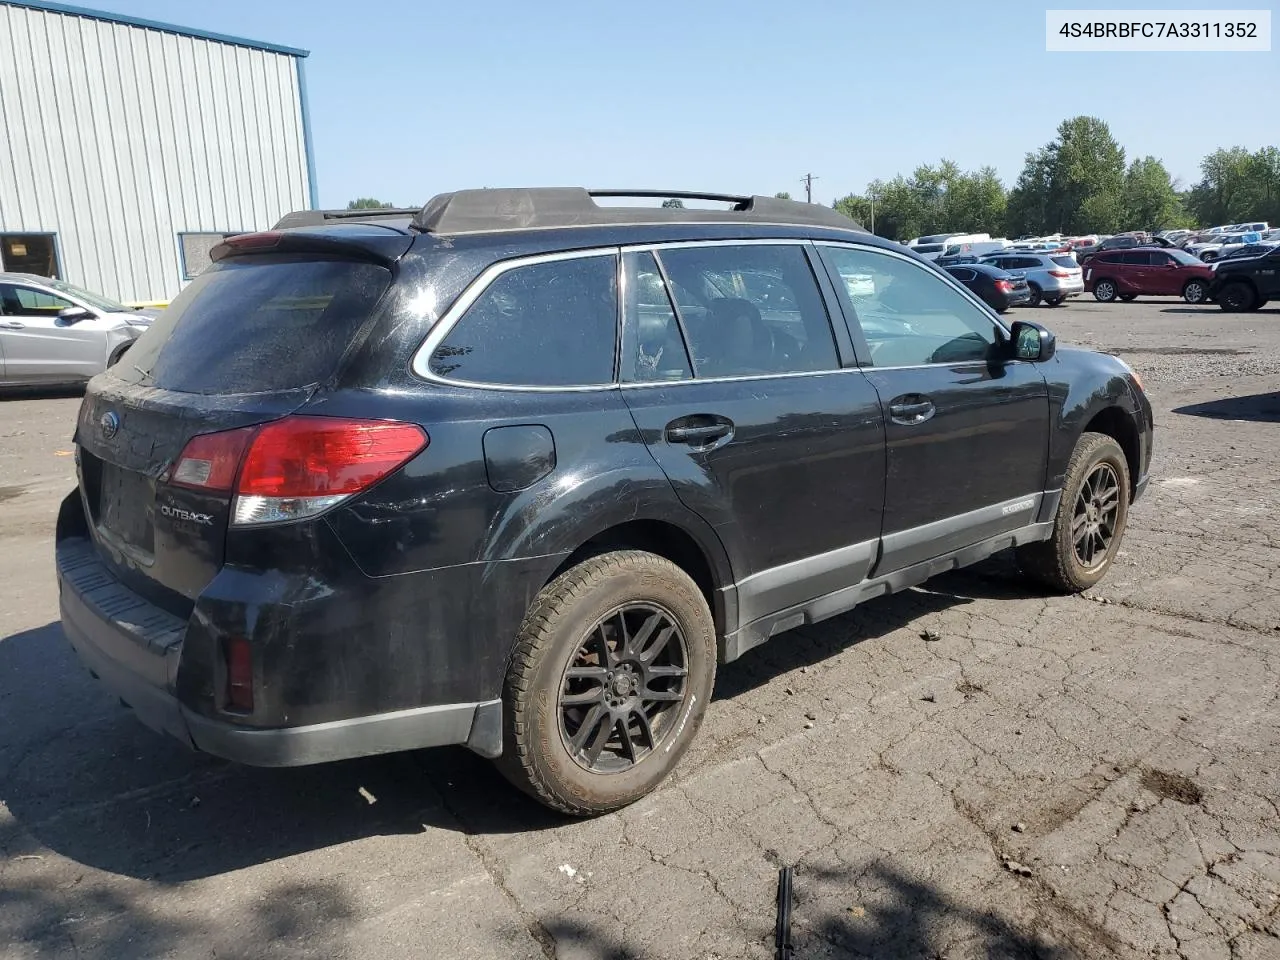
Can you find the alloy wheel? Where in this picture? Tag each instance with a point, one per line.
(624, 688)
(1093, 522)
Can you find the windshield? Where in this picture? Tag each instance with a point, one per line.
(93, 299)
(1184, 258)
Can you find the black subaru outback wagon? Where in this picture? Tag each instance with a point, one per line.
(518, 470)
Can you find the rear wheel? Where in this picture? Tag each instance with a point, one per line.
(1104, 291)
(1034, 299)
(1195, 291)
(611, 674)
(1090, 521)
(1236, 297)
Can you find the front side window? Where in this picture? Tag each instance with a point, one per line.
(26, 301)
(750, 310)
(911, 315)
(549, 324)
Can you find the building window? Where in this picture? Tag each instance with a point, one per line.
(194, 249)
(29, 253)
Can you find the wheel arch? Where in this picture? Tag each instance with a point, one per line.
(1117, 423)
(672, 542)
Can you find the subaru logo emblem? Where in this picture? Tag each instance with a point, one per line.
(109, 424)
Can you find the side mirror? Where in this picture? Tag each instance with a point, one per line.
(1032, 341)
(74, 314)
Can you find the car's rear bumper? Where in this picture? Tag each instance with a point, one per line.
(135, 649)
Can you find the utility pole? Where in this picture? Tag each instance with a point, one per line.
(807, 180)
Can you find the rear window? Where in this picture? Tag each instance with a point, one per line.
(547, 324)
(1068, 262)
(258, 325)
(928, 248)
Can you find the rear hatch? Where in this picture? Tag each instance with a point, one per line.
(1065, 267)
(249, 341)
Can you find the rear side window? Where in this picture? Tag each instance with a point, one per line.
(259, 324)
(549, 324)
(652, 345)
(1136, 259)
(1109, 257)
(1068, 262)
(750, 310)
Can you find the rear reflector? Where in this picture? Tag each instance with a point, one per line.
(239, 674)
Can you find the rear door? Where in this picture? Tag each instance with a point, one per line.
(741, 391)
(966, 429)
(41, 346)
(248, 341)
(1136, 273)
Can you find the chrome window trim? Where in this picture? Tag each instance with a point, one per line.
(421, 364)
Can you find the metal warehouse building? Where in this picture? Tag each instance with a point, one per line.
(128, 148)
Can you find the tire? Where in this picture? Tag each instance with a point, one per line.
(574, 623)
(1259, 304)
(1128, 297)
(120, 352)
(1034, 299)
(1208, 256)
(1195, 291)
(1056, 301)
(1236, 297)
(1104, 291)
(1056, 563)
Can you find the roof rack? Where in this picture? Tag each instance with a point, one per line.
(495, 210)
(314, 218)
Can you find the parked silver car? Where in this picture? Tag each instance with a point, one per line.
(54, 333)
(1052, 277)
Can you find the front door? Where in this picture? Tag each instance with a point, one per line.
(966, 429)
(1164, 278)
(731, 371)
(40, 346)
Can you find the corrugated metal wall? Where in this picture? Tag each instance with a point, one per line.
(118, 138)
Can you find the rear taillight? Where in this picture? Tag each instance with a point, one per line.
(299, 466)
(239, 663)
(296, 467)
(210, 461)
(1004, 286)
(264, 240)
(1059, 273)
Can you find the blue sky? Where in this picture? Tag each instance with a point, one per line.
(412, 98)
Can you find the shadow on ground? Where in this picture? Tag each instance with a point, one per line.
(1260, 407)
(82, 777)
(41, 393)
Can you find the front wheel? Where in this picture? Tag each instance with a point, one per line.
(1104, 291)
(1196, 291)
(1034, 299)
(611, 674)
(1090, 521)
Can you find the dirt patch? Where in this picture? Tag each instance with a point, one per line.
(1172, 786)
(8, 493)
(969, 689)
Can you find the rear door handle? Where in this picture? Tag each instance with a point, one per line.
(13, 325)
(687, 430)
(909, 411)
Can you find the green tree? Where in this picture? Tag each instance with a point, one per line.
(673, 203)
(1074, 184)
(782, 195)
(368, 203)
(1236, 186)
(1151, 202)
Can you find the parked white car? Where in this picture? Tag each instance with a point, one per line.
(54, 333)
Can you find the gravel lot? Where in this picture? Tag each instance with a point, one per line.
(1053, 777)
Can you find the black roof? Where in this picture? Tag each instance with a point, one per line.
(508, 209)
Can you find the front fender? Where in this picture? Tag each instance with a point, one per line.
(1083, 384)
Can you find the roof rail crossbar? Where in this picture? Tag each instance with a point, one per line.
(506, 209)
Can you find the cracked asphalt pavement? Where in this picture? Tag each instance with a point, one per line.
(972, 769)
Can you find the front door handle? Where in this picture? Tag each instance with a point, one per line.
(911, 410)
(13, 325)
(697, 432)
